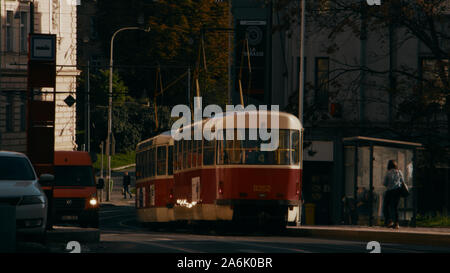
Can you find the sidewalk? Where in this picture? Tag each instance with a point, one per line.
(116, 197)
(404, 235)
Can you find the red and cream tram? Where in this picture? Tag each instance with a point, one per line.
(154, 179)
(231, 180)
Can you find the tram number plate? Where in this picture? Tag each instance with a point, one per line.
(262, 188)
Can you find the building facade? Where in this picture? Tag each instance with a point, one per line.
(18, 19)
(348, 84)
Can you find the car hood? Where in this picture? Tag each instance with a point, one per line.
(19, 188)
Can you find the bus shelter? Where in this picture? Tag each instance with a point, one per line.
(365, 161)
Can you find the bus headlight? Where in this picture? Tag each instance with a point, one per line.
(93, 202)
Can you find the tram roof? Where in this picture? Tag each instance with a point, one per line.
(285, 120)
(161, 139)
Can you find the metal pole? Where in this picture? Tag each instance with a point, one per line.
(355, 180)
(88, 110)
(1, 66)
(101, 169)
(230, 22)
(302, 57)
(109, 137)
(371, 187)
(301, 80)
(414, 188)
(189, 86)
(101, 147)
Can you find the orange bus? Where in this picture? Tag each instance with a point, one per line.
(75, 190)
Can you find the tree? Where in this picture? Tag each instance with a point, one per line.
(132, 119)
(172, 45)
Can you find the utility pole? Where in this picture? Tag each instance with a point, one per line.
(301, 89)
(88, 129)
(109, 136)
(189, 85)
(101, 168)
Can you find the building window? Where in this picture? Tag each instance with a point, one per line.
(322, 81)
(23, 32)
(93, 28)
(9, 113)
(23, 114)
(9, 30)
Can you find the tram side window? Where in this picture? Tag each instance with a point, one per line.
(232, 151)
(208, 152)
(152, 163)
(185, 153)
(161, 160)
(194, 153)
(140, 165)
(199, 152)
(146, 157)
(189, 153)
(179, 155)
(295, 158)
(175, 155)
(170, 161)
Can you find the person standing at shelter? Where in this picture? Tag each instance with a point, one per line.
(393, 183)
(126, 184)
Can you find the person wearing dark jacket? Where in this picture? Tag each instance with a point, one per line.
(126, 184)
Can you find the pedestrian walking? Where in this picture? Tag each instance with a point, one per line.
(393, 183)
(126, 184)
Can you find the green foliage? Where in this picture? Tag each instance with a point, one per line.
(99, 85)
(117, 160)
(132, 119)
(172, 44)
(437, 220)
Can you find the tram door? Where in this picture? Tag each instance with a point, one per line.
(317, 190)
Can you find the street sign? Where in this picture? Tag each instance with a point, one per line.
(70, 101)
(42, 47)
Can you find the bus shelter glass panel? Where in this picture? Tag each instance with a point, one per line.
(356, 202)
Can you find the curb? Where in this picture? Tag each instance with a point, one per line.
(411, 238)
(66, 234)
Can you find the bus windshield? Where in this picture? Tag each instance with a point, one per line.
(74, 176)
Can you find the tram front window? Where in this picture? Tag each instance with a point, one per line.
(295, 136)
(249, 151)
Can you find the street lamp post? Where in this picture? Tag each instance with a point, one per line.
(301, 87)
(109, 137)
